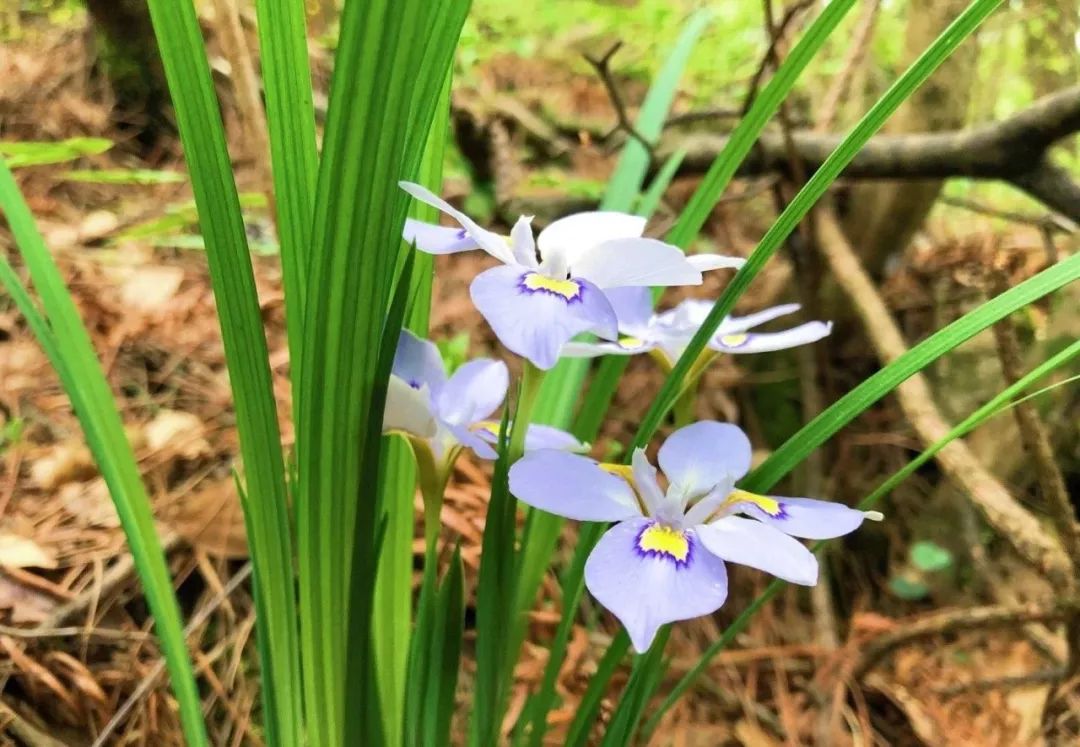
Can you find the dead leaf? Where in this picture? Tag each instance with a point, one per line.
(751, 735)
(90, 503)
(63, 463)
(98, 225)
(211, 520)
(25, 605)
(22, 552)
(151, 288)
(180, 432)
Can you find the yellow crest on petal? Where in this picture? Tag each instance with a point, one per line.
(771, 506)
(734, 341)
(568, 290)
(658, 539)
(625, 471)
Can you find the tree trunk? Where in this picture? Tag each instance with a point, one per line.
(130, 59)
(882, 218)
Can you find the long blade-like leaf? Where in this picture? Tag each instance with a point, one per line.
(187, 70)
(71, 352)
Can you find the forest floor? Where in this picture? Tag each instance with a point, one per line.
(76, 641)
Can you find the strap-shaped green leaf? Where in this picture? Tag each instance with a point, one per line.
(65, 340)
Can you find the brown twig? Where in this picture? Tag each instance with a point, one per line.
(947, 622)
(602, 65)
(1042, 677)
(17, 726)
(853, 59)
(1003, 512)
(150, 680)
(776, 31)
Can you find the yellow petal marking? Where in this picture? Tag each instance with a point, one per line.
(568, 290)
(662, 540)
(771, 506)
(734, 341)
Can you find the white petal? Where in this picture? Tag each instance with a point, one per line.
(635, 262)
(576, 233)
(490, 242)
(522, 243)
(706, 262)
(408, 410)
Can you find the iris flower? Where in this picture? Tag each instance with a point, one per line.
(552, 287)
(447, 414)
(665, 335)
(663, 560)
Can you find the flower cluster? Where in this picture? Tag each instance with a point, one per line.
(664, 558)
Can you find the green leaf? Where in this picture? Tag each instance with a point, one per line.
(391, 629)
(290, 119)
(694, 217)
(67, 343)
(391, 62)
(911, 590)
(930, 557)
(202, 134)
(22, 154)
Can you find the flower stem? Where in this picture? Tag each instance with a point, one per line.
(531, 379)
(432, 478)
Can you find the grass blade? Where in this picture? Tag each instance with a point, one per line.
(187, 70)
(71, 352)
(391, 61)
(797, 209)
(290, 118)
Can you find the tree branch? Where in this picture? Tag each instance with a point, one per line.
(1012, 150)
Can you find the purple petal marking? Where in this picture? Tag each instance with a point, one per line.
(647, 588)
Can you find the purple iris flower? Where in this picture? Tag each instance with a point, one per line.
(669, 332)
(663, 560)
(552, 287)
(451, 413)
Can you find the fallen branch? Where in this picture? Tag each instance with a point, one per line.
(947, 622)
(1001, 511)
(1012, 150)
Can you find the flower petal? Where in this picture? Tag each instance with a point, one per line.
(625, 346)
(474, 392)
(574, 234)
(749, 542)
(763, 342)
(702, 455)
(522, 243)
(633, 307)
(467, 437)
(408, 410)
(537, 437)
(799, 517)
(636, 572)
(647, 486)
(706, 262)
(436, 239)
(534, 316)
(620, 263)
(573, 486)
(541, 436)
(733, 324)
(419, 363)
(490, 242)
